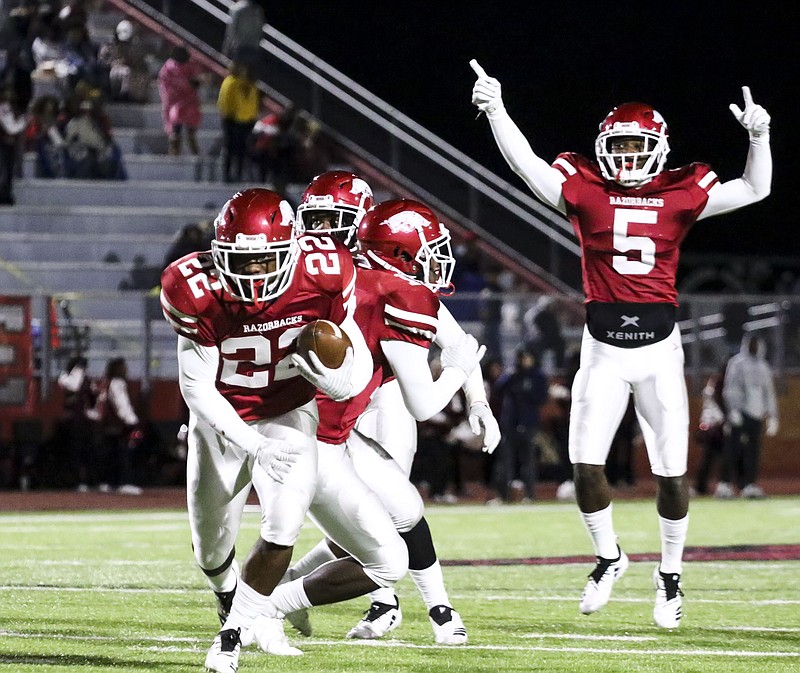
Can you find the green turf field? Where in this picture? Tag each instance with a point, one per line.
(103, 591)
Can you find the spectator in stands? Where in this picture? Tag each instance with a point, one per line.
(238, 102)
(524, 391)
(243, 34)
(142, 276)
(308, 156)
(12, 127)
(44, 135)
(436, 464)
(80, 418)
(710, 432)
(120, 431)
(80, 62)
(126, 58)
(178, 82)
(545, 336)
(91, 150)
(752, 408)
(263, 142)
(193, 237)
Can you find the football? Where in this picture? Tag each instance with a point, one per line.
(326, 339)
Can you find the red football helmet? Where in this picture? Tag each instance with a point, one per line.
(335, 202)
(406, 236)
(255, 225)
(638, 122)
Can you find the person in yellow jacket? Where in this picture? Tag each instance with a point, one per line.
(239, 102)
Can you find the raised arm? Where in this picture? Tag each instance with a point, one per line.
(542, 179)
(756, 181)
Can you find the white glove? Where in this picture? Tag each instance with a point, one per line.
(772, 426)
(754, 117)
(275, 457)
(465, 355)
(480, 419)
(486, 94)
(735, 417)
(335, 383)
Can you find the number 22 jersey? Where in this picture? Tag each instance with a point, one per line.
(256, 374)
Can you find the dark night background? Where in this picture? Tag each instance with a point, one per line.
(564, 65)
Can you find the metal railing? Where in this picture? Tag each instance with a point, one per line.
(515, 225)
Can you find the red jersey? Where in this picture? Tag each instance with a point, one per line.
(256, 374)
(630, 238)
(389, 308)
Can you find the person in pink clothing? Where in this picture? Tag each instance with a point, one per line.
(178, 81)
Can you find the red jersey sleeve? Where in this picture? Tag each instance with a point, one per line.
(410, 315)
(187, 293)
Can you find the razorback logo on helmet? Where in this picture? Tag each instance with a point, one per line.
(406, 222)
(360, 186)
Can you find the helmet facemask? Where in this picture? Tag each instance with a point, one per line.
(279, 257)
(320, 215)
(625, 126)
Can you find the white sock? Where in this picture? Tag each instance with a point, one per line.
(247, 605)
(383, 595)
(226, 580)
(430, 583)
(290, 597)
(313, 559)
(673, 540)
(601, 529)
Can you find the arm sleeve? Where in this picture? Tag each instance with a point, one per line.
(732, 388)
(754, 185)
(423, 396)
(448, 333)
(772, 399)
(362, 358)
(73, 380)
(118, 396)
(197, 372)
(542, 179)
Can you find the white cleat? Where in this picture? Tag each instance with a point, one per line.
(223, 656)
(669, 599)
(601, 581)
(378, 621)
(448, 628)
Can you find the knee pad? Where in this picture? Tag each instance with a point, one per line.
(390, 564)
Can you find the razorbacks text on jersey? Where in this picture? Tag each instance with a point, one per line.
(630, 238)
(389, 308)
(256, 374)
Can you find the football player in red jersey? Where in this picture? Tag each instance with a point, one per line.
(379, 431)
(630, 216)
(237, 311)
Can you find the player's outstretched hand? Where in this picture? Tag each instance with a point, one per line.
(464, 355)
(481, 419)
(276, 457)
(754, 117)
(335, 383)
(486, 93)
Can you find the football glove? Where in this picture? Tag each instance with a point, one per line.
(735, 417)
(772, 426)
(482, 419)
(465, 355)
(754, 117)
(276, 457)
(486, 93)
(335, 383)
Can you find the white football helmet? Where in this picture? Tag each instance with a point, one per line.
(635, 121)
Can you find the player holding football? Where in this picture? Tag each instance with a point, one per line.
(405, 260)
(630, 216)
(238, 311)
